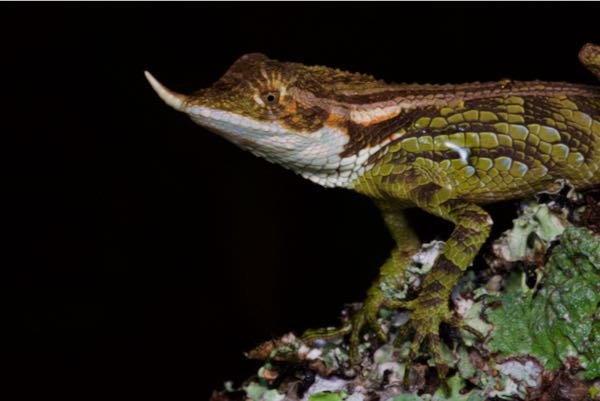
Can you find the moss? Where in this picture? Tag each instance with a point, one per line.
(560, 324)
(455, 387)
(534, 340)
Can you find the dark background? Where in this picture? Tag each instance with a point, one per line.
(143, 255)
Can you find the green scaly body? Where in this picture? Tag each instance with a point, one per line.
(517, 146)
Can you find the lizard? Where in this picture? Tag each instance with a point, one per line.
(447, 149)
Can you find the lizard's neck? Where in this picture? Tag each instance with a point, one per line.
(319, 157)
(341, 170)
(369, 119)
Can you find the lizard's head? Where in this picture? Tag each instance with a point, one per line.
(282, 112)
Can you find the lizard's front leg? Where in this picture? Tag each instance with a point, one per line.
(472, 227)
(391, 275)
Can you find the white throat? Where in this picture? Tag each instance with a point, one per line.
(315, 155)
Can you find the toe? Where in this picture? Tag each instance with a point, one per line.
(357, 325)
(372, 319)
(416, 343)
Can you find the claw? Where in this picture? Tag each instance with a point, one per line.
(368, 315)
(371, 316)
(424, 322)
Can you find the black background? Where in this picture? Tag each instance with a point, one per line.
(143, 254)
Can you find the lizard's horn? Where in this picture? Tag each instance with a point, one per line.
(173, 99)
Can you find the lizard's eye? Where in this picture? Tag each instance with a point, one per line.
(270, 98)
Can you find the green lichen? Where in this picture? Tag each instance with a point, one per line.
(259, 392)
(594, 391)
(472, 318)
(466, 369)
(272, 395)
(334, 356)
(561, 320)
(407, 397)
(388, 362)
(456, 386)
(534, 219)
(288, 349)
(326, 396)
(255, 391)
(523, 333)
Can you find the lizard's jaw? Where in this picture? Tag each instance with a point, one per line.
(267, 139)
(313, 155)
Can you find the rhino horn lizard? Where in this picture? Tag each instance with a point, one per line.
(446, 149)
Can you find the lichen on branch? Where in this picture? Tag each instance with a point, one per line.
(537, 316)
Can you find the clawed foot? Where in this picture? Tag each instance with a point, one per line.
(428, 312)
